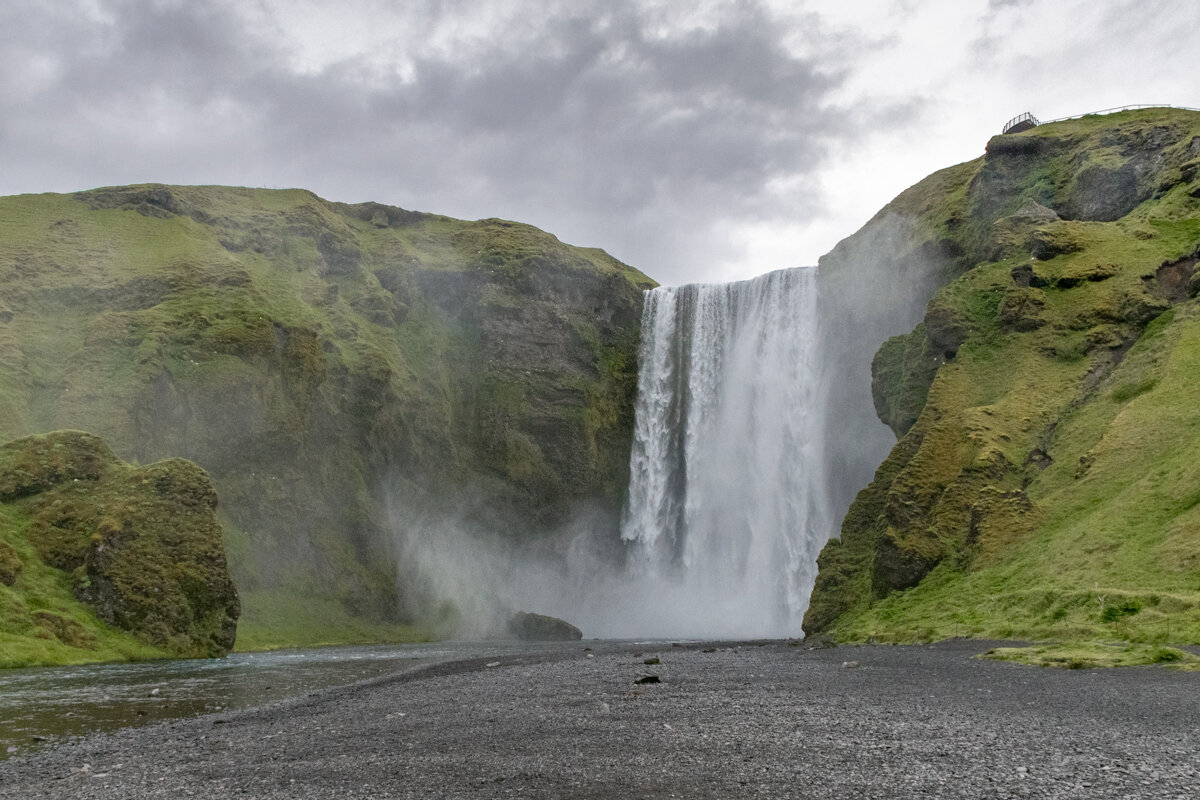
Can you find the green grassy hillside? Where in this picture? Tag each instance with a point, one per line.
(1046, 483)
(339, 370)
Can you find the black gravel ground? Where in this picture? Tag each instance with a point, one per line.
(736, 721)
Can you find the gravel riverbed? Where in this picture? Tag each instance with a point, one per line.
(746, 720)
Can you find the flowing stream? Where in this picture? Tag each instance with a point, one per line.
(728, 499)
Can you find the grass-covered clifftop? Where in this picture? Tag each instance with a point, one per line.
(101, 560)
(337, 369)
(1045, 483)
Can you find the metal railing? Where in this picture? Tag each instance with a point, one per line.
(1023, 123)
(1027, 120)
(1115, 109)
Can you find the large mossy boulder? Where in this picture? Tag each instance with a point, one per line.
(141, 545)
(541, 628)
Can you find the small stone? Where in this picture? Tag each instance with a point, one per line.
(154, 692)
(648, 679)
(849, 664)
(651, 661)
(491, 664)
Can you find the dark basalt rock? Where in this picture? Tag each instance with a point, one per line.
(541, 628)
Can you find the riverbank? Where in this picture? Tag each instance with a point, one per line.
(724, 721)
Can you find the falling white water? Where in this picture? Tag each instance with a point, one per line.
(728, 502)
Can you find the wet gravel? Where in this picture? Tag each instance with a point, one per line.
(749, 720)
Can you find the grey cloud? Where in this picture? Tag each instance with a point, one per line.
(593, 128)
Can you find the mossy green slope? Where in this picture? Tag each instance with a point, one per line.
(100, 560)
(1045, 484)
(326, 364)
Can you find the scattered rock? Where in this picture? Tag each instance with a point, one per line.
(1022, 309)
(1022, 275)
(1034, 212)
(541, 628)
(1049, 241)
(945, 327)
(651, 661)
(648, 679)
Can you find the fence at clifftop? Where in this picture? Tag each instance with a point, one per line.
(1027, 121)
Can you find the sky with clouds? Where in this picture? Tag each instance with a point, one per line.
(701, 140)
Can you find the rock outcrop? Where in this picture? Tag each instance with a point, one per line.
(141, 545)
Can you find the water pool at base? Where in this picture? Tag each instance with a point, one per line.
(39, 705)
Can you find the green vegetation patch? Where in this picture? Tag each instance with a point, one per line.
(1093, 655)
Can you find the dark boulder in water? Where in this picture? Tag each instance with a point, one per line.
(541, 628)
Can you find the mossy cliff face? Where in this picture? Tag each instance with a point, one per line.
(140, 546)
(321, 361)
(1045, 480)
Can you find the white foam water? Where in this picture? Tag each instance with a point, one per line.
(728, 498)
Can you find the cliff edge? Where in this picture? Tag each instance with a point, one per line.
(1045, 479)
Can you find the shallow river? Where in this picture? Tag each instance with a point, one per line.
(44, 704)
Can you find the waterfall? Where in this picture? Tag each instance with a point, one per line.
(728, 498)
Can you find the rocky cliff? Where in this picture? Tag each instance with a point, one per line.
(338, 370)
(1045, 478)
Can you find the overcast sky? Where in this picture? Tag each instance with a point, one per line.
(695, 140)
